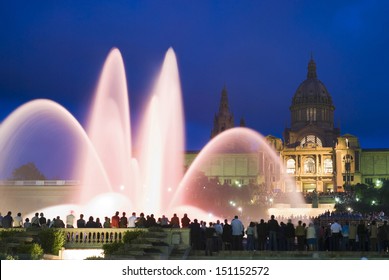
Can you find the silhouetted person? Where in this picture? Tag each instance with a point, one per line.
(195, 234)
(237, 233)
(209, 236)
(115, 220)
(175, 221)
(81, 221)
(8, 220)
(289, 235)
(123, 221)
(273, 228)
(262, 234)
(227, 235)
(185, 221)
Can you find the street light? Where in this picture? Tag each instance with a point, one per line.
(240, 209)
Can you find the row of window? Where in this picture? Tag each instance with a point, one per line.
(351, 178)
(313, 114)
(309, 166)
(378, 182)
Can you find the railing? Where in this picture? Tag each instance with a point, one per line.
(92, 237)
(97, 237)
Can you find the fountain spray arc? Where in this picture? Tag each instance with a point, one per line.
(145, 176)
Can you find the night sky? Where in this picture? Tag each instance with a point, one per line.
(259, 50)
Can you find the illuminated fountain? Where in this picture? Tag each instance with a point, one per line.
(115, 175)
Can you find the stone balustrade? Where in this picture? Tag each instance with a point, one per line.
(79, 238)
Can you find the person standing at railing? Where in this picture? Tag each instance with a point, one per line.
(373, 233)
(290, 235)
(107, 222)
(81, 221)
(237, 234)
(115, 220)
(336, 235)
(70, 219)
(27, 223)
(345, 236)
(42, 220)
(274, 229)
(362, 235)
(131, 220)
(91, 223)
(352, 236)
(185, 221)
(123, 221)
(164, 222)
(300, 235)
(98, 223)
(175, 221)
(59, 223)
(210, 233)
(8, 220)
(18, 221)
(141, 222)
(35, 221)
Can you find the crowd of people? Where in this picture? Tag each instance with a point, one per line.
(330, 231)
(116, 221)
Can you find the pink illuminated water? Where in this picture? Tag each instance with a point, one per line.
(161, 140)
(113, 174)
(236, 144)
(146, 179)
(109, 131)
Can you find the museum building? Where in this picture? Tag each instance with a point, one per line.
(313, 151)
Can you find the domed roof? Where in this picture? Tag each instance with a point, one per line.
(312, 90)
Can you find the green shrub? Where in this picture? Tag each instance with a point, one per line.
(111, 248)
(10, 235)
(129, 236)
(33, 250)
(4, 256)
(52, 240)
(36, 252)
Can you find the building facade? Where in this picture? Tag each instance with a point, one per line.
(312, 151)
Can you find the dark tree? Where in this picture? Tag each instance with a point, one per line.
(384, 193)
(27, 172)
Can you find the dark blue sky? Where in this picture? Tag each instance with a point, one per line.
(258, 49)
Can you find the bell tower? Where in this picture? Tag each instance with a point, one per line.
(223, 119)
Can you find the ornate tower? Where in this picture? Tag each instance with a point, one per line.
(223, 119)
(312, 114)
(309, 154)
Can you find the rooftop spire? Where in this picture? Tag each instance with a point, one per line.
(224, 118)
(224, 108)
(311, 69)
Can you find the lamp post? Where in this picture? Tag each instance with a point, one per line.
(347, 165)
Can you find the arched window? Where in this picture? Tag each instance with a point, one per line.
(290, 166)
(309, 166)
(328, 167)
(347, 159)
(311, 141)
(311, 114)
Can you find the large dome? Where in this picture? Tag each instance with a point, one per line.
(312, 90)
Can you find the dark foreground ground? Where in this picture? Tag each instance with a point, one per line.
(286, 255)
